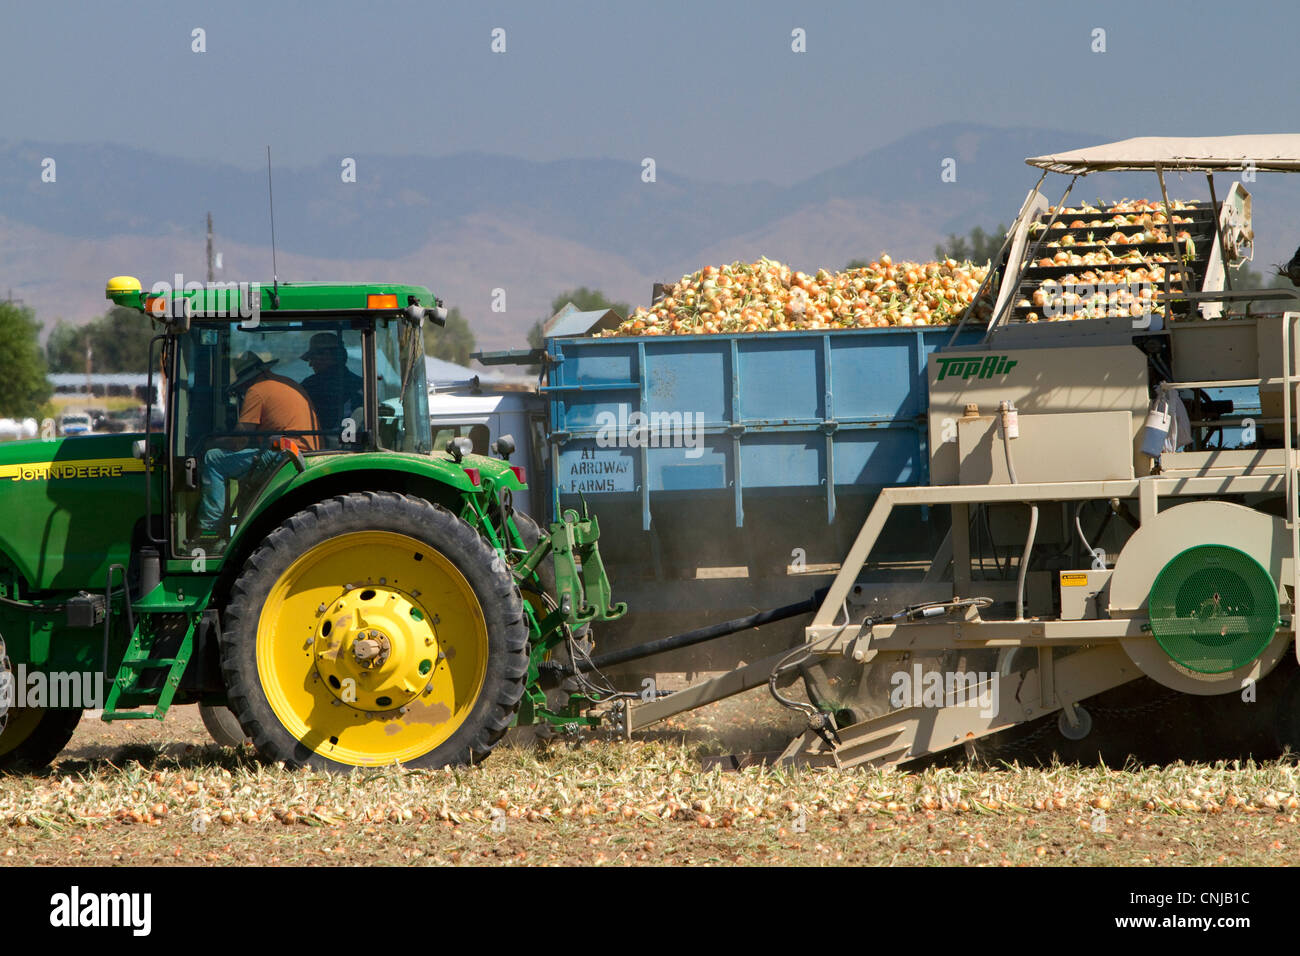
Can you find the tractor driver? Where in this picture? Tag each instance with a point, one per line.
(335, 392)
(268, 403)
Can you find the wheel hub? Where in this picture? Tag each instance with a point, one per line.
(375, 648)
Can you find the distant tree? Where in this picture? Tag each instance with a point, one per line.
(536, 339)
(584, 300)
(536, 334)
(454, 342)
(24, 389)
(1247, 277)
(978, 246)
(121, 341)
(856, 264)
(118, 340)
(588, 300)
(65, 349)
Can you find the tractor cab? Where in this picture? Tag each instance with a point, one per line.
(258, 380)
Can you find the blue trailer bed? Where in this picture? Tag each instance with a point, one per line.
(745, 415)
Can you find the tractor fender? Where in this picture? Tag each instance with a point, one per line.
(435, 477)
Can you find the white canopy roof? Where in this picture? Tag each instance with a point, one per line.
(1278, 152)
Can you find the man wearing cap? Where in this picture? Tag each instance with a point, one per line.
(269, 403)
(335, 392)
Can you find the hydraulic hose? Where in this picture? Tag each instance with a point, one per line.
(1009, 433)
(688, 638)
(1024, 563)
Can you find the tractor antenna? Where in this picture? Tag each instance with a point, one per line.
(270, 195)
(211, 276)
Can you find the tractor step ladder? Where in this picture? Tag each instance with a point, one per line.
(135, 662)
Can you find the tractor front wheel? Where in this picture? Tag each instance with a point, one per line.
(374, 628)
(34, 736)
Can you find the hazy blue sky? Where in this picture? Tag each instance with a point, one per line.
(710, 89)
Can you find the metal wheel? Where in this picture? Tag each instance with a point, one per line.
(373, 629)
(30, 737)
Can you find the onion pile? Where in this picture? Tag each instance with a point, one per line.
(1129, 292)
(1114, 277)
(767, 296)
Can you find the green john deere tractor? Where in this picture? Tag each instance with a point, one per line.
(286, 543)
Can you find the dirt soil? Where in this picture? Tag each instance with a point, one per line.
(141, 793)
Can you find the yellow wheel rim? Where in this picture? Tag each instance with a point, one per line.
(372, 648)
(22, 722)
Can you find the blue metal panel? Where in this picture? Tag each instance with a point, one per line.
(875, 377)
(673, 474)
(781, 381)
(693, 379)
(735, 430)
(802, 412)
(878, 457)
(783, 460)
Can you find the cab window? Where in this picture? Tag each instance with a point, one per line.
(243, 399)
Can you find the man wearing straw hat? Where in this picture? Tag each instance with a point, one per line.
(269, 403)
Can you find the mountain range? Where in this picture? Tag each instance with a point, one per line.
(467, 224)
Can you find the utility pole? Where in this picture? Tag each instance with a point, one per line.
(90, 394)
(211, 273)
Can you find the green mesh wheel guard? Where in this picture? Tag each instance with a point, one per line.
(1213, 609)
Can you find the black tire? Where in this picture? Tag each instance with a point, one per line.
(222, 725)
(494, 707)
(42, 742)
(531, 533)
(1286, 716)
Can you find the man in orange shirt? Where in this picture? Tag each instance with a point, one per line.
(270, 403)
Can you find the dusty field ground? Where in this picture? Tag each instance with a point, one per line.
(162, 794)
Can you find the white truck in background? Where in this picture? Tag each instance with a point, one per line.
(484, 409)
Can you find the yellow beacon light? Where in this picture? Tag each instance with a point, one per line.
(120, 288)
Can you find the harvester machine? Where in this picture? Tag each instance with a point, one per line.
(1116, 450)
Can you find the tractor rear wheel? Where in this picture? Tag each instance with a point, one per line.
(374, 628)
